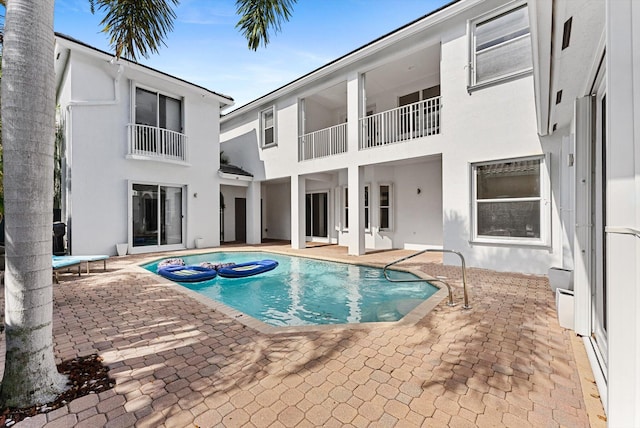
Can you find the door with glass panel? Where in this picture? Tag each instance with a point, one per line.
(158, 129)
(156, 213)
(317, 210)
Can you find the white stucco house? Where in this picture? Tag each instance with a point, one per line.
(141, 155)
(423, 138)
(507, 130)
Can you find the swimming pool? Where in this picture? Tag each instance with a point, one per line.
(302, 291)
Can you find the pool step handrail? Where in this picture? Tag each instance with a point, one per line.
(437, 279)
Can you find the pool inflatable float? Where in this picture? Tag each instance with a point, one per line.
(241, 270)
(216, 266)
(170, 262)
(187, 273)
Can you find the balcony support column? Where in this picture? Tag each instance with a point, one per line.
(254, 220)
(355, 95)
(355, 177)
(298, 212)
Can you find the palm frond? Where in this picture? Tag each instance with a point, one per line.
(136, 27)
(258, 17)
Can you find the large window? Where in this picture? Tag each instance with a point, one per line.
(157, 129)
(509, 201)
(386, 219)
(158, 110)
(500, 46)
(268, 127)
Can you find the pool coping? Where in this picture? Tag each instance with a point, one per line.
(411, 318)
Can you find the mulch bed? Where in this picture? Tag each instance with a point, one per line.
(86, 375)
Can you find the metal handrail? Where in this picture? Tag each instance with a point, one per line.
(432, 250)
(623, 231)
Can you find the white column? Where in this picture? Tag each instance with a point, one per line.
(298, 212)
(355, 85)
(254, 229)
(623, 197)
(355, 180)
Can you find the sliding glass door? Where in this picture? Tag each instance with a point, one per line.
(317, 210)
(156, 213)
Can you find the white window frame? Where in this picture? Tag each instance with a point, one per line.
(345, 208)
(389, 207)
(544, 199)
(367, 208)
(134, 95)
(471, 31)
(263, 143)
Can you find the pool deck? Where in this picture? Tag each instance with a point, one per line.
(179, 363)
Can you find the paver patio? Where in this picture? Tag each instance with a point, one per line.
(179, 363)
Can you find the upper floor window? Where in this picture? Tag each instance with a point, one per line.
(510, 197)
(158, 110)
(500, 46)
(268, 127)
(157, 130)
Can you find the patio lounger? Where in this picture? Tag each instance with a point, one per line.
(61, 262)
(87, 259)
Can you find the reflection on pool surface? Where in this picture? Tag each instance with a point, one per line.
(303, 291)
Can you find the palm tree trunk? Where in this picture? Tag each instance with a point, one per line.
(28, 108)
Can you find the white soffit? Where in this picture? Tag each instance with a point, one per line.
(572, 68)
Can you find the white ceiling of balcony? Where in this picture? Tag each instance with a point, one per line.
(404, 71)
(400, 72)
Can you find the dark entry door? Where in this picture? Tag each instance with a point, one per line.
(241, 220)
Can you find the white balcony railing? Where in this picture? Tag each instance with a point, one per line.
(158, 143)
(326, 142)
(404, 123)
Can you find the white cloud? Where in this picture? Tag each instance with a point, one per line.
(205, 12)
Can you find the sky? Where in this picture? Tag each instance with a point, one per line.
(205, 48)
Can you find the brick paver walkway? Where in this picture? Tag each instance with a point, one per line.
(178, 363)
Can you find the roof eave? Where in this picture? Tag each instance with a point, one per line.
(73, 44)
(541, 24)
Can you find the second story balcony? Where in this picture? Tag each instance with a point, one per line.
(399, 101)
(325, 142)
(404, 123)
(154, 143)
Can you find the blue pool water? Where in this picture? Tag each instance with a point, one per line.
(303, 291)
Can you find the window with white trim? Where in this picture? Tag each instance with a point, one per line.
(157, 127)
(500, 46)
(510, 201)
(345, 221)
(158, 110)
(268, 127)
(345, 209)
(366, 208)
(386, 213)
